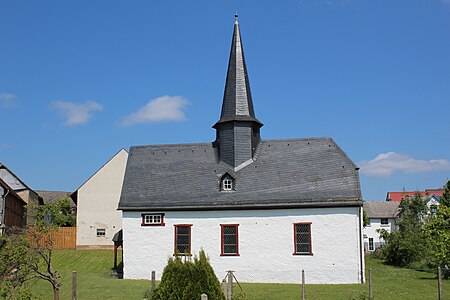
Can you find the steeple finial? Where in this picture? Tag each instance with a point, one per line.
(236, 17)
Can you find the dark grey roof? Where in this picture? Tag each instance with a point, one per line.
(286, 173)
(237, 102)
(54, 196)
(387, 209)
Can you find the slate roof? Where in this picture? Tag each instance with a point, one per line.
(286, 173)
(237, 102)
(382, 209)
(54, 196)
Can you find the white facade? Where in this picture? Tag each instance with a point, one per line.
(97, 216)
(266, 244)
(372, 240)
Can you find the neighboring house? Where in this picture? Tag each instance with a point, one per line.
(398, 196)
(55, 196)
(29, 196)
(12, 208)
(382, 215)
(264, 208)
(97, 216)
(432, 203)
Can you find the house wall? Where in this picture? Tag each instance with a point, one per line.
(370, 231)
(266, 244)
(14, 211)
(97, 204)
(32, 200)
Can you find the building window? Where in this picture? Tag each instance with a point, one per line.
(433, 209)
(152, 220)
(302, 239)
(227, 183)
(384, 221)
(230, 240)
(182, 239)
(371, 247)
(101, 232)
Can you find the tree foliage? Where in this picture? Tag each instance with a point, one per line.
(365, 219)
(437, 231)
(15, 266)
(445, 199)
(56, 214)
(26, 254)
(189, 279)
(409, 243)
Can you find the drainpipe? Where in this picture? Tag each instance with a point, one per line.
(361, 245)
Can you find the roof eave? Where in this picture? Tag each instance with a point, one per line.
(319, 204)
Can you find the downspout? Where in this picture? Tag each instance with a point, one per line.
(361, 245)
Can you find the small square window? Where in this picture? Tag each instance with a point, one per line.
(227, 185)
(152, 220)
(101, 232)
(384, 221)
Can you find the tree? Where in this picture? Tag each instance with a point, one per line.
(445, 198)
(365, 219)
(41, 251)
(409, 243)
(186, 280)
(437, 231)
(438, 234)
(57, 214)
(15, 267)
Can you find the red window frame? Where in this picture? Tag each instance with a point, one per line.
(295, 239)
(222, 227)
(175, 252)
(154, 224)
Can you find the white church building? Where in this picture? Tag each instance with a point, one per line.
(266, 209)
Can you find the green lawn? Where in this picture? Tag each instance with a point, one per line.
(93, 269)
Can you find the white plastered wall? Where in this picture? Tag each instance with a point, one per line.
(266, 244)
(370, 231)
(97, 204)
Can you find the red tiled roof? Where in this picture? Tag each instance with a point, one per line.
(398, 196)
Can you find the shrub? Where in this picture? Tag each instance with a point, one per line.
(187, 280)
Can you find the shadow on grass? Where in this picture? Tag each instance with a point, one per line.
(117, 273)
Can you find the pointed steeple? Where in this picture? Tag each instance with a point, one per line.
(238, 129)
(237, 99)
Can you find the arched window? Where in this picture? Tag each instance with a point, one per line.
(227, 183)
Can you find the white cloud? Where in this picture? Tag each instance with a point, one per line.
(164, 108)
(8, 100)
(76, 113)
(387, 163)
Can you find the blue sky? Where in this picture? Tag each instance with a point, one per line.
(81, 79)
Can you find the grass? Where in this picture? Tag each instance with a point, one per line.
(93, 277)
(94, 282)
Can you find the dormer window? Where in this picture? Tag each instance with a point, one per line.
(227, 183)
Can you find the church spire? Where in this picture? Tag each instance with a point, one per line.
(237, 128)
(237, 99)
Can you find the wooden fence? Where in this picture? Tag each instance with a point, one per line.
(64, 237)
